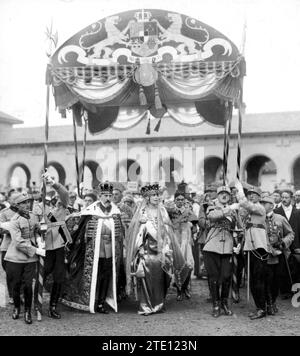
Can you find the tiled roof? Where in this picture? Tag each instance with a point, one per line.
(261, 123)
(8, 119)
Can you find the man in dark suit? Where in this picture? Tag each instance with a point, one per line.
(293, 217)
(277, 198)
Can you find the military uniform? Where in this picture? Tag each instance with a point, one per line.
(256, 242)
(217, 252)
(21, 257)
(281, 236)
(5, 215)
(56, 238)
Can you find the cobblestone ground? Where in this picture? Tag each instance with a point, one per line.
(187, 318)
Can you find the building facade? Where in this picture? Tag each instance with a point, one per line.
(270, 153)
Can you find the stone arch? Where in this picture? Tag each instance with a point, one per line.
(260, 170)
(58, 171)
(170, 173)
(213, 168)
(128, 170)
(23, 181)
(92, 174)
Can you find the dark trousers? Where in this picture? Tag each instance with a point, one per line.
(285, 284)
(272, 278)
(55, 264)
(17, 274)
(4, 263)
(258, 278)
(240, 268)
(103, 278)
(219, 271)
(121, 280)
(196, 255)
(218, 266)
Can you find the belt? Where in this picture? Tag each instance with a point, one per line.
(221, 226)
(258, 226)
(55, 224)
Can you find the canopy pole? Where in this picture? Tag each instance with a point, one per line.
(84, 153)
(227, 131)
(53, 39)
(76, 156)
(41, 262)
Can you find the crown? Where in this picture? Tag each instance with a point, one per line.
(143, 16)
(150, 189)
(106, 187)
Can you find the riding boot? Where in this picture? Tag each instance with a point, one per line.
(225, 307)
(179, 297)
(55, 294)
(260, 313)
(27, 316)
(224, 298)
(214, 290)
(16, 313)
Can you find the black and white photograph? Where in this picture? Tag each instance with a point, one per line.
(149, 170)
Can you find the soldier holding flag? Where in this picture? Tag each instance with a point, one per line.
(57, 237)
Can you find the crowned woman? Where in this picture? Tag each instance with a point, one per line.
(153, 255)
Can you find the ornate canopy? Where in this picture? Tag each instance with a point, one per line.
(123, 67)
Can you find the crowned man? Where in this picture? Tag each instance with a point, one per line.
(95, 254)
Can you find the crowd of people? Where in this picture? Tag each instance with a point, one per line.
(113, 244)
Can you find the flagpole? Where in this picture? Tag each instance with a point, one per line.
(53, 39)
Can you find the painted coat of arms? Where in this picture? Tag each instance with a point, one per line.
(145, 36)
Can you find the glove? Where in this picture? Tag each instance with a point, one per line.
(227, 212)
(41, 252)
(234, 206)
(279, 245)
(237, 249)
(48, 178)
(41, 244)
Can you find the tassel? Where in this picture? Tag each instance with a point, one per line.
(157, 100)
(148, 127)
(158, 125)
(142, 96)
(63, 113)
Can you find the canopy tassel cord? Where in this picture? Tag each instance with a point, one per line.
(142, 96)
(157, 100)
(227, 131)
(148, 130)
(157, 127)
(76, 156)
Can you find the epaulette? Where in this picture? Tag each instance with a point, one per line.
(5, 210)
